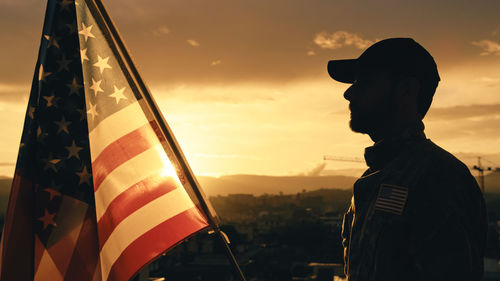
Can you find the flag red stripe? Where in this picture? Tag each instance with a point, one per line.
(164, 235)
(18, 243)
(121, 150)
(86, 255)
(131, 200)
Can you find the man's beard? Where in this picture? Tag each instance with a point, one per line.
(367, 122)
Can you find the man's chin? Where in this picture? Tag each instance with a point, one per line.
(359, 127)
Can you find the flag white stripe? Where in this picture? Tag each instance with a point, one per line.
(378, 205)
(393, 199)
(399, 194)
(396, 196)
(394, 211)
(142, 166)
(115, 126)
(140, 222)
(389, 203)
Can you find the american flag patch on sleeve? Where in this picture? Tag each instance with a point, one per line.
(391, 199)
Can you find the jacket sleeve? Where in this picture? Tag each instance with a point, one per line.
(346, 233)
(449, 230)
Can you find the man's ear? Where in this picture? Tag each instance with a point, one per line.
(408, 88)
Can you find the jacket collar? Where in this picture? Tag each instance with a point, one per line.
(385, 150)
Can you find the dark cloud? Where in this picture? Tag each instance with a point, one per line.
(477, 129)
(488, 159)
(490, 81)
(487, 111)
(14, 93)
(21, 30)
(259, 41)
(270, 40)
(465, 124)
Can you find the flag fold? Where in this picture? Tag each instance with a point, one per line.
(99, 188)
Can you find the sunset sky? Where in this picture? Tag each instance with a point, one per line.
(243, 84)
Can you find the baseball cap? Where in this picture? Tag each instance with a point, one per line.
(399, 56)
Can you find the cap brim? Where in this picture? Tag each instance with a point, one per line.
(344, 71)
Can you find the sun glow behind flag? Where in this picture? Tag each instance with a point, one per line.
(108, 191)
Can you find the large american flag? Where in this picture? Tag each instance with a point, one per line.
(98, 190)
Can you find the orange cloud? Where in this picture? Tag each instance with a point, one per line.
(340, 39)
(162, 30)
(473, 112)
(489, 47)
(193, 43)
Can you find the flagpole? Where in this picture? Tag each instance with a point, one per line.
(127, 62)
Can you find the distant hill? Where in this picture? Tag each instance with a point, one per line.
(4, 194)
(253, 184)
(257, 185)
(492, 182)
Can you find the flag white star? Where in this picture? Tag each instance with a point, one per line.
(63, 125)
(92, 111)
(71, 27)
(52, 193)
(82, 113)
(50, 163)
(118, 94)
(74, 87)
(51, 100)
(96, 86)
(53, 42)
(47, 219)
(84, 176)
(65, 4)
(31, 112)
(73, 150)
(102, 63)
(63, 63)
(86, 31)
(83, 55)
(42, 74)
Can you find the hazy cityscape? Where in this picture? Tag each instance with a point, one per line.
(280, 235)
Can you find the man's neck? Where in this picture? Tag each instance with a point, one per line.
(394, 131)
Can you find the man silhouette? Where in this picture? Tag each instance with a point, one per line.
(417, 213)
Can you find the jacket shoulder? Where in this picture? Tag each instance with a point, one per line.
(442, 162)
(447, 179)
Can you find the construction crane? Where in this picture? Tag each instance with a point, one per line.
(480, 168)
(343, 159)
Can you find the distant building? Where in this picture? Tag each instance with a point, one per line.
(332, 219)
(242, 199)
(268, 222)
(491, 269)
(317, 271)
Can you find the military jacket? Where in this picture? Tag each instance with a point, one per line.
(416, 214)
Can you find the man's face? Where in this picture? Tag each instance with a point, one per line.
(371, 102)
